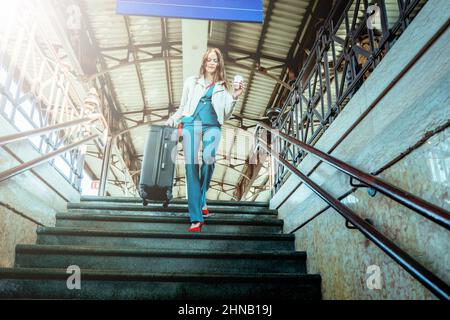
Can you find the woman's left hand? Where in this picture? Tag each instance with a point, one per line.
(238, 92)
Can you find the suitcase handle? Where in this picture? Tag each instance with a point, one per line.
(163, 162)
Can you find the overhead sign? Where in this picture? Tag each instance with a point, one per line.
(229, 10)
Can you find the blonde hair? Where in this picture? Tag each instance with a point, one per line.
(220, 74)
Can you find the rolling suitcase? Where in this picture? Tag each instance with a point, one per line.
(158, 165)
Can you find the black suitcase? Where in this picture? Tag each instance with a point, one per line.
(158, 165)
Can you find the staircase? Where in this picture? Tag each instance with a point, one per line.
(127, 251)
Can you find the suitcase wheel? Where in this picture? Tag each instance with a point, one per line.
(165, 204)
(145, 203)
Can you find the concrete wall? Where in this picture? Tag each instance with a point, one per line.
(409, 113)
(26, 201)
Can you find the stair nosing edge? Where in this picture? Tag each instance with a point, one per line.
(154, 234)
(80, 250)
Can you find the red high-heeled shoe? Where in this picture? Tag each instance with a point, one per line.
(196, 229)
(205, 212)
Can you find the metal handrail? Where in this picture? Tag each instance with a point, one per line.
(33, 163)
(40, 131)
(9, 173)
(436, 285)
(424, 208)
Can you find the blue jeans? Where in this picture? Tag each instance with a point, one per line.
(198, 182)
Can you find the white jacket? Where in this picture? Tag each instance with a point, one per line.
(194, 88)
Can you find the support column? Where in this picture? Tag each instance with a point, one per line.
(195, 44)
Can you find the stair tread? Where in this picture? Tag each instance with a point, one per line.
(177, 219)
(122, 255)
(183, 214)
(62, 249)
(139, 200)
(170, 208)
(92, 274)
(164, 234)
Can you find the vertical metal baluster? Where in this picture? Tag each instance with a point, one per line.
(384, 24)
(302, 131)
(328, 87)
(335, 68)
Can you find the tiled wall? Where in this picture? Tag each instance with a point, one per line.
(408, 114)
(343, 256)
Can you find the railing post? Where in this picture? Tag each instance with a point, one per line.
(105, 165)
(271, 177)
(275, 168)
(79, 167)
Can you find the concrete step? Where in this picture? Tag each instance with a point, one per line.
(159, 261)
(178, 202)
(181, 213)
(164, 240)
(98, 284)
(166, 223)
(244, 212)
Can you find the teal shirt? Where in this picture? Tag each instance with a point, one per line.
(204, 111)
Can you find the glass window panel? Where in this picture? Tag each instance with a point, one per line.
(21, 122)
(36, 141)
(35, 117)
(2, 75)
(62, 166)
(13, 88)
(27, 106)
(8, 109)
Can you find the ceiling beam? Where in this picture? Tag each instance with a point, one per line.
(249, 170)
(226, 49)
(137, 47)
(136, 65)
(295, 44)
(257, 62)
(151, 110)
(223, 191)
(212, 188)
(182, 179)
(259, 70)
(250, 54)
(127, 149)
(316, 12)
(126, 63)
(165, 52)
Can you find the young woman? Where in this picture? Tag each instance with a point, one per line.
(206, 103)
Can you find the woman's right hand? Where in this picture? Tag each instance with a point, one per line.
(170, 122)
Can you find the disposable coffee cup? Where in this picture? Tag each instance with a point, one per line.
(237, 80)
